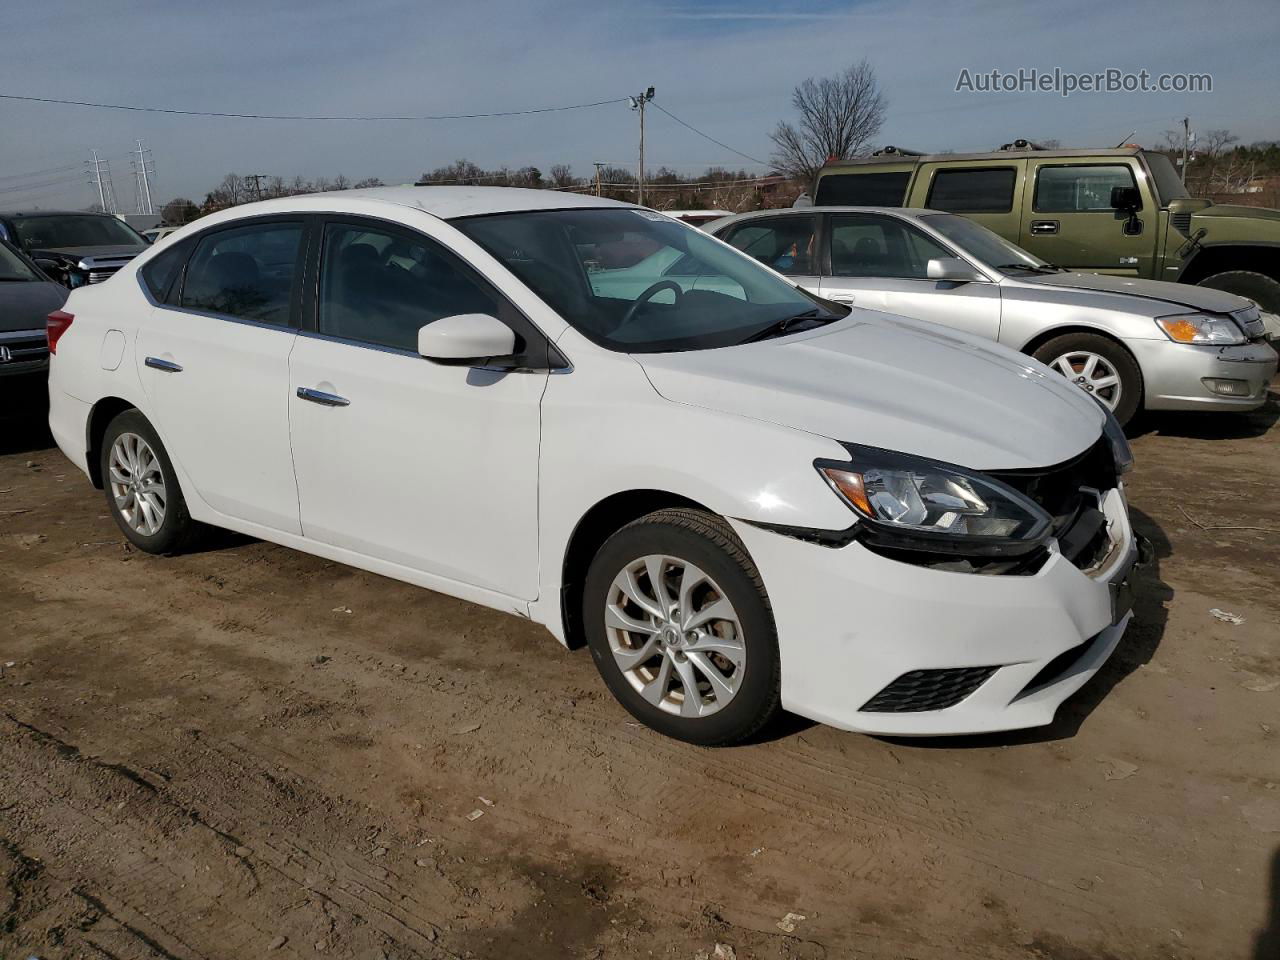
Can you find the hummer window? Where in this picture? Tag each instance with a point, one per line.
(862, 189)
(1079, 189)
(976, 190)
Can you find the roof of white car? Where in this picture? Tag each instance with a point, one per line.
(450, 202)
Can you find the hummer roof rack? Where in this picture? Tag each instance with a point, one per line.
(891, 150)
(1021, 144)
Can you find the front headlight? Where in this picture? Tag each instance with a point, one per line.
(924, 499)
(1119, 443)
(1201, 328)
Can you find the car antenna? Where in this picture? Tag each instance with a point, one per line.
(1125, 140)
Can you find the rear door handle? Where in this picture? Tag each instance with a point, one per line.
(1044, 226)
(168, 366)
(322, 398)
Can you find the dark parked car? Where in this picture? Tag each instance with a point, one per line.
(27, 297)
(73, 248)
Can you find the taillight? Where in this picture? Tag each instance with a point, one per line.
(58, 323)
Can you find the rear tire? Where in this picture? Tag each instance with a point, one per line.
(1100, 367)
(708, 627)
(1258, 287)
(142, 487)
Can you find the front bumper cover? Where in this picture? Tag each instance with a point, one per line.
(851, 622)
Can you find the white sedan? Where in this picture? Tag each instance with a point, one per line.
(739, 499)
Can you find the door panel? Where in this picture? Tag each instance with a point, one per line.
(224, 413)
(1069, 219)
(428, 466)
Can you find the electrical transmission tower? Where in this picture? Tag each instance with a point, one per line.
(144, 168)
(100, 177)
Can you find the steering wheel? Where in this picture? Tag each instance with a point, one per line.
(647, 295)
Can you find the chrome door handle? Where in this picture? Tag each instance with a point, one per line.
(844, 298)
(168, 366)
(1044, 226)
(322, 398)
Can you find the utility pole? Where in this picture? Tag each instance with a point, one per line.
(598, 165)
(257, 183)
(637, 104)
(1186, 145)
(143, 171)
(106, 192)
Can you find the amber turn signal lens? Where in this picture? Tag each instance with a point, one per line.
(849, 485)
(1184, 331)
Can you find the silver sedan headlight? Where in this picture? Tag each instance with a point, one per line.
(1201, 328)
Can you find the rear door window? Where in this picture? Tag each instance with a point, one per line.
(246, 273)
(974, 190)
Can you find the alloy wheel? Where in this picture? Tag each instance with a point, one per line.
(1093, 374)
(137, 483)
(675, 636)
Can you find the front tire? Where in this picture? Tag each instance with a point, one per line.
(1258, 287)
(1100, 367)
(680, 628)
(141, 486)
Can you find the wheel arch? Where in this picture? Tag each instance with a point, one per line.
(1231, 256)
(103, 412)
(600, 522)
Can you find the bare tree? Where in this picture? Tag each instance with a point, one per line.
(838, 117)
(561, 175)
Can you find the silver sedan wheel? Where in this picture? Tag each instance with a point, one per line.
(1092, 373)
(675, 636)
(137, 483)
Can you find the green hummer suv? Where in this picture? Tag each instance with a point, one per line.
(1121, 211)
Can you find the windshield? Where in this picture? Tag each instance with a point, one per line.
(980, 243)
(13, 267)
(637, 282)
(48, 233)
(1168, 184)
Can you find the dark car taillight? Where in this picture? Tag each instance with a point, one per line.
(58, 323)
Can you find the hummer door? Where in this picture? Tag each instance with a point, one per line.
(1069, 219)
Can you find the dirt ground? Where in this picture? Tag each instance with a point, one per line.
(248, 752)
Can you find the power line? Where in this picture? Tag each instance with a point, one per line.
(282, 116)
(39, 173)
(707, 136)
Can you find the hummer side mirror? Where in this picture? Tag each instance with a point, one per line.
(1126, 198)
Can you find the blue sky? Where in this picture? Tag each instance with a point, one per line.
(725, 67)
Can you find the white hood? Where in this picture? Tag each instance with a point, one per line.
(889, 382)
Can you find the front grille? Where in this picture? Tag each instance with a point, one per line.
(922, 690)
(97, 276)
(1182, 223)
(23, 347)
(1059, 489)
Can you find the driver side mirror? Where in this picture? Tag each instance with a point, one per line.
(952, 268)
(1126, 198)
(466, 339)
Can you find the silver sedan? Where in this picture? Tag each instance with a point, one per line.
(1132, 343)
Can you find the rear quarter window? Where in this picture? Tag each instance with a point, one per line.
(158, 275)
